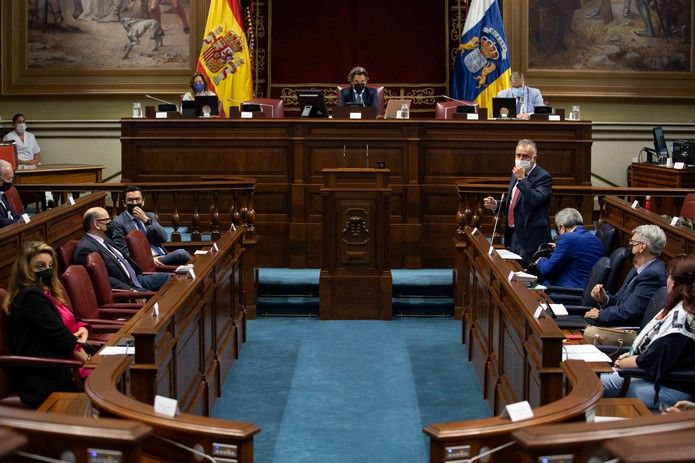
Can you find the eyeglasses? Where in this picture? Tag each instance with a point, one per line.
(106, 220)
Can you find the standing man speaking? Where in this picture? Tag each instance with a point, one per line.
(526, 203)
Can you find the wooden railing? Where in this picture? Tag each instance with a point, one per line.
(181, 204)
(214, 437)
(59, 436)
(467, 439)
(588, 200)
(583, 442)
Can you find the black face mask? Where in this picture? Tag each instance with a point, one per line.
(359, 87)
(5, 186)
(45, 276)
(131, 207)
(109, 230)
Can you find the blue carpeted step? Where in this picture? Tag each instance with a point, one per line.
(289, 282)
(287, 305)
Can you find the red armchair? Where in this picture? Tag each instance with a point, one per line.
(140, 252)
(106, 296)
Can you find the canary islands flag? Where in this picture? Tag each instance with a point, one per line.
(224, 58)
(482, 63)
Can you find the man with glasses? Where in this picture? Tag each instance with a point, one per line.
(8, 216)
(135, 218)
(627, 306)
(525, 204)
(123, 271)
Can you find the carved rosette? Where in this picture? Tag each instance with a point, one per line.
(355, 231)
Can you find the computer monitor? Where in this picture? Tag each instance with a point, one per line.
(188, 108)
(206, 106)
(465, 109)
(542, 109)
(660, 144)
(312, 103)
(504, 108)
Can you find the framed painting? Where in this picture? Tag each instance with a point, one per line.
(605, 48)
(99, 47)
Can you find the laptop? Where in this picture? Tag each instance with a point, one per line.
(395, 105)
(504, 108)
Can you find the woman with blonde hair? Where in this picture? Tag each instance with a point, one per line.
(41, 325)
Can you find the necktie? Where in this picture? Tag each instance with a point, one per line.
(125, 265)
(359, 99)
(512, 205)
(157, 250)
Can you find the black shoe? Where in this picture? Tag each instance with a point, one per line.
(596, 14)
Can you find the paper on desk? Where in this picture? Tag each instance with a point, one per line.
(559, 309)
(506, 254)
(604, 419)
(586, 352)
(117, 350)
(199, 252)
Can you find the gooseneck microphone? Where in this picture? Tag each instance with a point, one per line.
(497, 218)
(159, 99)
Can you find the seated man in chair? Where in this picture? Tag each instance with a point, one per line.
(135, 218)
(358, 93)
(7, 215)
(123, 271)
(627, 306)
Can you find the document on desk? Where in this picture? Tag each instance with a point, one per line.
(506, 254)
(117, 350)
(586, 352)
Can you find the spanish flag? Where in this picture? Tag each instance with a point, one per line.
(224, 57)
(483, 65)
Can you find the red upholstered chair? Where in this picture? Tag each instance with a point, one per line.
(688, 208)
(66, 255)
(84, 302)
(8, 152)
(7, 361)
(446, 109)
(106, 296)
(273, 108)
(379, 94)
(141, 253)
(15, 200)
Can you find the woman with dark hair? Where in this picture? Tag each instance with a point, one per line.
(28, 151)
(667, 343)
(198, 86)
(41, 325)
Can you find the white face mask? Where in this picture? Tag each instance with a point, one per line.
(21, 127)
(523, 163)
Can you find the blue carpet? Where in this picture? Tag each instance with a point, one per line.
(349, 391)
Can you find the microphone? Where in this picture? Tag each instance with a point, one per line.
(159, 99)
(195, 451)
(497, 218)
(467, 103)
(485, 453)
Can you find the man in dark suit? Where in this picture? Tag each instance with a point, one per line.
(123, 271)
(627, 306)
(135, 218)
(358, 93)
(525, 204)
(576, 252)
(8, 216)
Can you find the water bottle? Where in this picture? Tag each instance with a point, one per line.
(575, 113)
(404, 111)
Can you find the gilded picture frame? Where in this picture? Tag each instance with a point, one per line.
(574, 48)
(137, 57)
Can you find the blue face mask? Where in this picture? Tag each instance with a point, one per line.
(518, 92)
(198, 87)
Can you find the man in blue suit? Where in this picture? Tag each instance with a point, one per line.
(525, 204)
(627, 306)
(576, 252)
(527, 98)
(358, 93)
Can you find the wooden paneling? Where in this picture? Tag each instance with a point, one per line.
(286, 157)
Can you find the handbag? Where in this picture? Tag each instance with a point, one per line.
(602, 336)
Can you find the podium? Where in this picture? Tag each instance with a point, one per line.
(355, 281)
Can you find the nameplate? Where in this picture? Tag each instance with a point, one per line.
(233, 227)
(214, 247)
(246, 115)
(511, 276)
(518, 412)
(71, 200)
(355, 115)
(191, 273)
(635, 205)
(472, 117)
(165, 406)
(674, 221)
(679, 165)
(553, 117)
(491, 251)
(475, 230)
(25, 218)
(538, 312)
(155, 309)
(160, 115)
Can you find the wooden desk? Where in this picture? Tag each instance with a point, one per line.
(642, 174)
(286, 157)
(624, 407)
(68, 403)
(59, 173)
